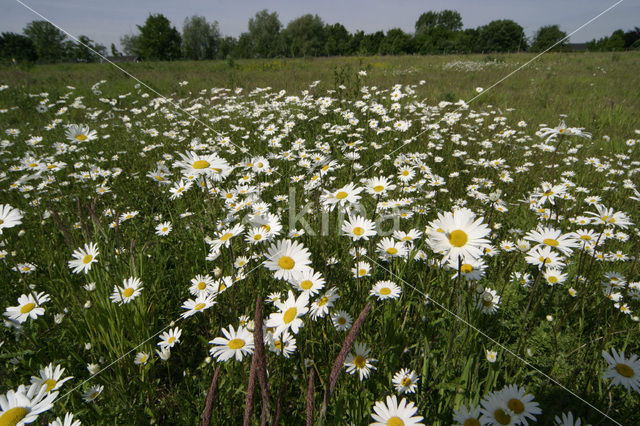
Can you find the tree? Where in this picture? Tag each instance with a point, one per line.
(614, 42)
(131, 44)
(244, 47)
(86, 50)
(631, 37)
(338, 40)
(356, 42)
(370, 44)
(426, 21)
(441, 40)
(439, 32)
(17, 47)
(200, 40)
(450, 20)
(226, 47)
(305, 36)
(114, 50)
(47, 40)
(396, 42)
(446, 19)
(264, 34)
(547, 36)
(502, 35)
(158, 39)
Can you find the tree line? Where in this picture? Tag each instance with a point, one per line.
(436, 32)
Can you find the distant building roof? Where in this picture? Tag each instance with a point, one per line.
(129, 58)
(577, 46)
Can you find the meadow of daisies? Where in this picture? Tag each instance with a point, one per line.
(346, 253)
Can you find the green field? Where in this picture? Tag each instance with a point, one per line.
(128, 210)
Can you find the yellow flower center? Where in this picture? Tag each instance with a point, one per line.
(552, 279)
(13, 416)
(27, 308)
(544, 259)
(342, 321)
(362, 272)
(395, 421)
(488, 302)
(289, 315)
(466, 268)
(286, 262)
(501, 417)
(551, 242)
(87, 259)
(625, 371)
(378, 188)
(458, 238)
(32, 165)
(236, 344)
(200, 164)
(323, 301)
(127, 292)
(358, 231)
(405, 173)
(585, 237)
(547, 193)
(50, 383)
(306, 284)
(165, 229)
(81, 137)
(471, 422)
(515, 405)
(1, 221)
(359, 361)
(171, 339)
(385, 291)
(202, 285)
(257, 237)
(405, 382)
(226, 236)
(392, 250)
(199, 306)
(341, 195)
(94, 395)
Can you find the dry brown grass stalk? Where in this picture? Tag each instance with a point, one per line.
(208, 409)
(342, 355)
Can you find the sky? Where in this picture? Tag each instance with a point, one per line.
(106, 21)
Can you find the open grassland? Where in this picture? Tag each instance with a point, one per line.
(600, 91)
(478, 260)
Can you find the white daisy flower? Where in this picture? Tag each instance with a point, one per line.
(624, 371)
(358, 361)
(289, 314)
(287, 259)
(83, 258)
(235, 344)
(390, 412)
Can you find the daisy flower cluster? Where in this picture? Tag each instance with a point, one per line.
(382, 231)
